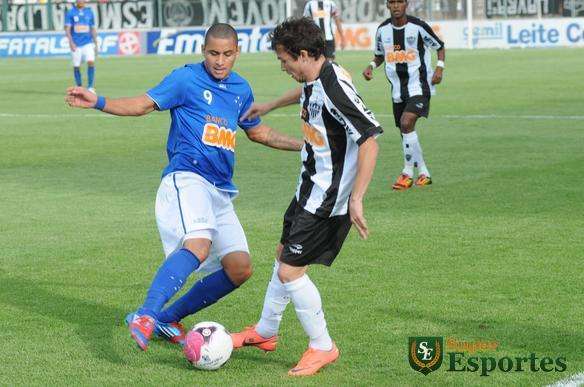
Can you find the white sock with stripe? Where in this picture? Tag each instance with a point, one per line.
(308, 305)
(416, 151)
(408, 154)
(275, 303)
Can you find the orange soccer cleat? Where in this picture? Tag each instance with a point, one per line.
(403, 182)
(423, 180)
(313, 360)
(249, 337)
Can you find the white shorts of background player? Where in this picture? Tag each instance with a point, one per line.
(188, 206)
(84, 53)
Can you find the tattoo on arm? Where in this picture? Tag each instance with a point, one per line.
(278, 140)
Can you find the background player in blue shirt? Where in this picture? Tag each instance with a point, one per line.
(82, 36)
(197, 224)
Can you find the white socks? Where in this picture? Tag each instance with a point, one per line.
(413, 155)
(275, 303)
(308, 305)
(408, 153)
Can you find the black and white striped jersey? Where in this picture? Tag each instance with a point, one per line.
(322, 12)
(408, 61)
(335, 121)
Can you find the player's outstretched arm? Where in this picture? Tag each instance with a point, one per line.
(267, 136)
(80, 97)
(376, 62)
(367, 159)
(438, 72)
(259, 109)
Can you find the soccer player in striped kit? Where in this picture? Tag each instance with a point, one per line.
(338, 159)
(323, 13)
(404, 42)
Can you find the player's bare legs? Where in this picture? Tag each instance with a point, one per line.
(413, 156)
(238, 267)
(199, 247)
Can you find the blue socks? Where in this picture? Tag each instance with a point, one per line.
(90, 76)
(204, 292)
(77, 74)
(170, 277)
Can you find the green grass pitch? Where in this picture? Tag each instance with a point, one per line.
(492, 251)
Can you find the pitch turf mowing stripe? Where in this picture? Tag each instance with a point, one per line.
(572, 381)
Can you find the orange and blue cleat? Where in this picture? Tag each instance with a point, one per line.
(423, 180)
(403, 182)
(172, 331)
(313, 360)
(250, 338)
(141, 329)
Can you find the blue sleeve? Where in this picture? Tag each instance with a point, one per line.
(170, 92)
(69, 18)
(92, 20)
(248, 124)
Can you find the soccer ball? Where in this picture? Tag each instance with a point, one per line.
(208, 345)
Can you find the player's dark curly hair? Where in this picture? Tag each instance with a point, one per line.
(296, 34)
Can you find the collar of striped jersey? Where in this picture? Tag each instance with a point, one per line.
(322, 69)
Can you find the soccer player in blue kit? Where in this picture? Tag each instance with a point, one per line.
(82, 36)
(196, 220)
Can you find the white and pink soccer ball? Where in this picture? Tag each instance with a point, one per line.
(208, 345)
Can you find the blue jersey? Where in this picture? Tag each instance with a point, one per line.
(205, 113)
(81, 22)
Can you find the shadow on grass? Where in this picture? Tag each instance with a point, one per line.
(93, 323)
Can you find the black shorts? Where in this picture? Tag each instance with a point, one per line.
(310, 239)
(417, 104)
(329, 49)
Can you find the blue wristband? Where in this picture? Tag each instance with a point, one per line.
(100, 104)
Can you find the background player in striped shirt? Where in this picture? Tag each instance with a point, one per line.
(403, 42)
(196, 219)
(82, 36)
(323, 13)
(338, 159)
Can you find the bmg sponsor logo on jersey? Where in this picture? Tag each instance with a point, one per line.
(312, 135)
(426, 355)
(395, 54)
(219, 136)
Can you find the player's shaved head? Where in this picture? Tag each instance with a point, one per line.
(221, 31)
(220, 50)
